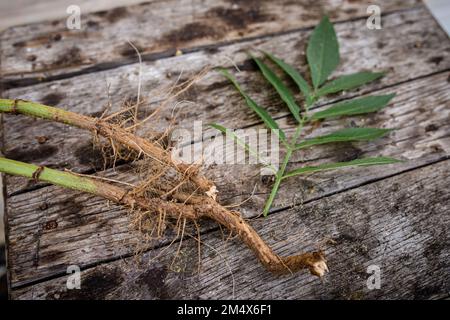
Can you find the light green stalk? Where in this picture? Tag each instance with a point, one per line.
(314, 261)
(107, 130)
(290, 149)
(45, 112)
(60, 178)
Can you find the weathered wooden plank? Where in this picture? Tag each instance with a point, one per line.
(28, 11)
(424, 50)
(51, 228)
(399, 224)
(36, 52)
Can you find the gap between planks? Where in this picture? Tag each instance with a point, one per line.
(120, 84)
(418, 95)
(20, 285)
(256, 124)
(304, 284)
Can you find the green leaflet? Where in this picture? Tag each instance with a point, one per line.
(284, 92)
(262, 113)
(242, 143)
(345, 135)
(235, 138)
(336, 165)
(347, 82)
(295, 76)
(354, 107)
(322, 52)
(220, 128)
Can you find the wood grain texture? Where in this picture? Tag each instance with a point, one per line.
(399, 224)
(42, 51)
(213, 99)
(50, 227)
(23, 12)
(394, 216)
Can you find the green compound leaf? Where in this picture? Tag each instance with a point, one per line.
(262, 113)
(284, 92)
(337, 165)
(354, 107)
(295, 76)
(348, 82)
(345, 135)
(322, 52)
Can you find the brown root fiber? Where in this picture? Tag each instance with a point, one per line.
(176, 200)
(205, 207)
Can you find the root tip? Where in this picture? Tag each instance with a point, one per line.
(212, 192)
(318, 265)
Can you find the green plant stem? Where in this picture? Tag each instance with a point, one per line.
(276, 185)
(205, 207)
(90, 185)
(31, 171)
(290, 149)
(280, 173)
(110, 131)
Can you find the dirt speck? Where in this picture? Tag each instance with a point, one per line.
(154, 279)
(56, 37)
(267, 180)
(94, 286)
(31, 58)
(117, 13)
(19, 44)
(31, 154)
(71, 57)
(92, 24)
(50, 256)
(126, 50)
(310, 15)
(240, 17)
(212, 50)
(42, 40)
(237, 17)
(431, 127)
(96, 114)
(88, 154)
(216, 86)
(71, 210)
(436, 60)
(436, 148)
(346, 233)
(52, 99)
(190, 32)
(114, 15)
(248, 65)
(41, 139)
(50, 225)
(426, 292)
(348, 153)
(351, 11)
